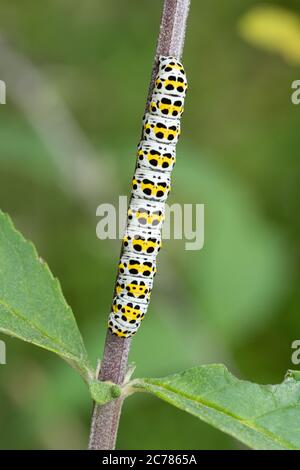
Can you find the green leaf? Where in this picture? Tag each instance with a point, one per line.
(104, 392)
(32, 306)
(261, 416)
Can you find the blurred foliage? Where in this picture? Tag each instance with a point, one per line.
(275, 29)
(236, 301)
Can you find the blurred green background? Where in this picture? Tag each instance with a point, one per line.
(77, 75)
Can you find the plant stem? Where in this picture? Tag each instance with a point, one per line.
(105, 418)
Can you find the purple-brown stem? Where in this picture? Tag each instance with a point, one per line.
(105, 418)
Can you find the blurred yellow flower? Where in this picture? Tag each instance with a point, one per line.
(275, 29)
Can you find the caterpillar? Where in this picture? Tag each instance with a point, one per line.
(151, 184)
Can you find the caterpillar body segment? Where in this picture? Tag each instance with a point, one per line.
(139, 266)
(134, 289)
(119, 330)
(160, 129)
(126, 315)
(170, 107)
(151, 184)
(146, 242)
(155, 156)
(171, 83)
(128, 312)
(145, 214)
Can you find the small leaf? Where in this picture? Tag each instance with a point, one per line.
(293, 374)
(104, 392)
(32, 306)
(261, 416)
